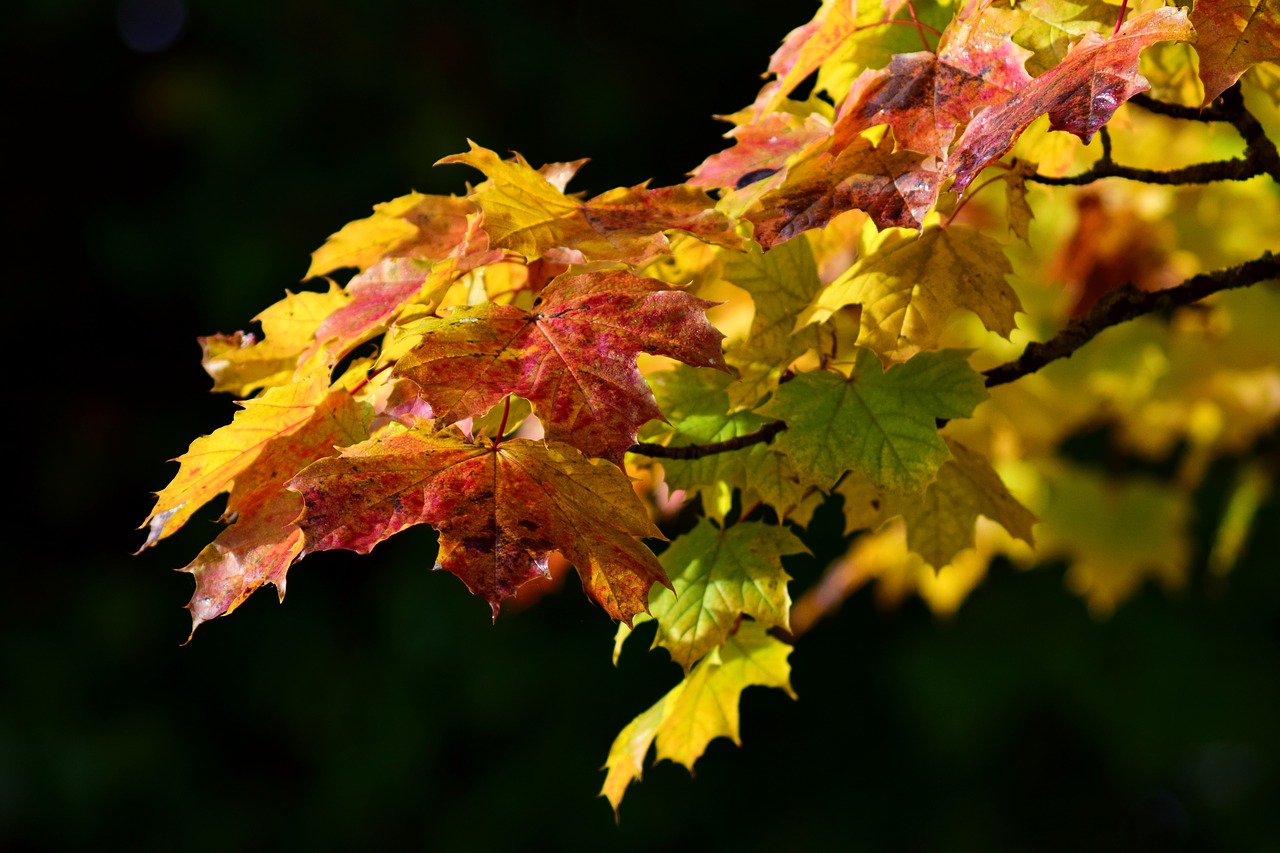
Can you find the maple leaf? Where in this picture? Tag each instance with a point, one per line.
(500, 510)
(1048, 27)
(925, 96)
(839, 28)
(942, 521)
(880, 423)
(696, 406)
(895, 187)
(417, 225)
(781, 283)
(700, 708)
(761, 149)
(716, 576)
(1080, 94)
(264, 540)
(214, 462)
(910, 284)
(1233, 36)
(573, 356)
(241, 364)
(527, 213)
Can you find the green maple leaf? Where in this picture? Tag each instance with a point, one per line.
(696, 406)
(700, 708)
(909, 286)
(718, 575)
(877, 422)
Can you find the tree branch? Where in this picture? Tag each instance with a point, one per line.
(696, 451)
(1260, 155)
(1126, 303)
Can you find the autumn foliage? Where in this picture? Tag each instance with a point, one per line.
(943, 240)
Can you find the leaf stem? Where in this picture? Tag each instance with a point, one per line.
(502, 427)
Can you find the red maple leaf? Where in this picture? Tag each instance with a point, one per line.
(500, 510)
(1080, 94)
(573, 356)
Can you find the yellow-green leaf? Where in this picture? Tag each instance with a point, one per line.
(909, 288)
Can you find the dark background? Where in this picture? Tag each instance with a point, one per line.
(162, 193)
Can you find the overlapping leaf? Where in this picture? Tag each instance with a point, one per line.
(781, 283)
(925, 96)
(1079, 95)
(214, 462)
(500, 511)
(909, 285)
(264, 540)
(241, 363)
(416, 225)
(696, 405)
(527, 213)
(700, 708)
(716, 576)
(895, 187)
(876, 422)
(1233, 36)
(573, 356)
(941, 522)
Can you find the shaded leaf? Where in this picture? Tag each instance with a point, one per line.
(896, 188)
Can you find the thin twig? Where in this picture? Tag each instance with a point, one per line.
(696, 451)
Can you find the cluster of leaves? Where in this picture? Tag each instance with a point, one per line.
(831, 308)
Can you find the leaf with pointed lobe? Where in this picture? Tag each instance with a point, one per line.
(909, 285)
(942, 522)
(925, 96)
(527, 213)
(1232, 37)
(262, 542)
(1079, 95)
(700, 708)
(1047, 28)
(760, 149)
(573, 356)
(241, 364)
(696, 407)
(781, 283)
(214, 462)
(500, 511)
(423, 226)
(839, 27)
(895, 187)
(716, 576)
(879, 423)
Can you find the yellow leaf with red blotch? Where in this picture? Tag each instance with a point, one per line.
(424, 226)
(214, 462)
(526, 213)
